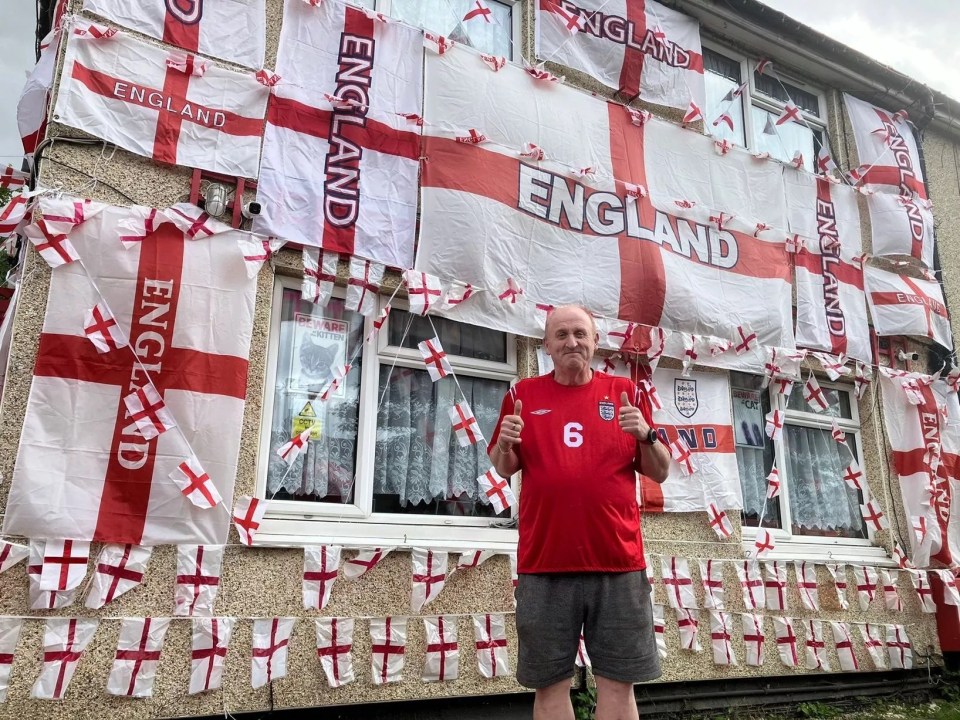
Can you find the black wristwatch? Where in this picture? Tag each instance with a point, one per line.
(652, 437)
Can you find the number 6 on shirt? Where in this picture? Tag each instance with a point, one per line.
(572, 436)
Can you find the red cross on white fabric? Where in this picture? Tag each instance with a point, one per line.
(764, 543)
(64, 643)
(291, 449)
(11, 178)
(438, 366)
(660, 630)
(839, 435)
(775, 585)
(138, 652)
(774, 426)
(11, 554)
(571, 19)
(319, 275)
(512, 293)
(497, 491)
(748, 572)
(247, 515)
(816, 648)
(790, 113)
(473, 137)
(533, 152)
(688, 624)
(388, 638)
(334, 648)
(839, 574)
(113, 566)
(899, 648)
(473, 559)
(719, 521)
(64, 564)
(872, 515)
(491, 644)
(813, 394)
(825, 163)
(784, 386)
(623, 336)
(873, 644)
(753, 638)
(748, 340)
(465, 425)
(720, 638)
(102, 329)
(43, 599)
(726, 119)
(479, 9)
(12, 214)
(582, 659)
(53, 247)
(807, 585)
(9, 636)
(853, 476)
(865, 580)
(186, 63)
(320, 566)
(921, 583)
(680, 451)
(211, 638)
(442, 654)
(438, 43)
(364, 562)
(494, 62)
(195, 484)
(363, 285)
(379, 321)
(711, 573)
(678, 583)
(891, 598)
(421, 289)
(693, 113)
(786, 641)
(429, 576)
(149, 412)
(773, 484)
(268, 653)
(197, 579)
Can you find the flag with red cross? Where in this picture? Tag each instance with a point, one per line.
(268, 652)
(442, 659)
(429, 576)
(340, 159)
(496, 490)
(186, 308)
(335, 649)
(491, 642)
(137, 656)
(9, 635)
(196, 484)
(65, 641)
(119, 569)
(122, 89)
(210, 642)
(320, 566)
(364, 562)
(388, 645)
(197, 580)
(902, 305)
(248, 513)
(465, 425)
(902, 225)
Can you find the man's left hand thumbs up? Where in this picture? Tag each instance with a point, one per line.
(631, 419)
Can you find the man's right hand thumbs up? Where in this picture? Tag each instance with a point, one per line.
(510, 429)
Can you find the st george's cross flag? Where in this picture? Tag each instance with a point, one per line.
(232, 30)
(123, 90)
(10, 628)
(638, 47)
(831, 308)
(489, 216)
(926, 453)
(187, 309)
(902, 305)
(340, 160)
(901, 225)
(138, 654)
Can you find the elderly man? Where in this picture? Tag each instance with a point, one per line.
(579, 435)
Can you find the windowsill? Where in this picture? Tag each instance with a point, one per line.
(821, 549)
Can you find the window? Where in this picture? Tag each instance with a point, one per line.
(764, 97)
(816, 508)
(445, 18)
(383, 465)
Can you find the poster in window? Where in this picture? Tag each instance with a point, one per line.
(748, 420)
(319, 346)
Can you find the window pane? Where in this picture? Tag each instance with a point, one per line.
(754, 450)
(445, 17)
(457, 338)
(784, 92)
(720, 77)
(838, 402)
(419, 467)
(790, 137)
(313, 340)
(821, 503)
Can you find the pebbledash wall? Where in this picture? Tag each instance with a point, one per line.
(266, 582)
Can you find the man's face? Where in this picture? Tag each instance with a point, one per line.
(570, 339)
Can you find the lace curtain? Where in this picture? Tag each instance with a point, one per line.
(444, 17)
(418, 458)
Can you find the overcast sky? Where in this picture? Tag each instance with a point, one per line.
(916, 37)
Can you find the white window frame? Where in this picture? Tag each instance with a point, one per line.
(752, 97)
(298, 522)
(385, 6)
(810, 547)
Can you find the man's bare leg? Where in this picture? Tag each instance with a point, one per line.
(553, 702)
(615, 700)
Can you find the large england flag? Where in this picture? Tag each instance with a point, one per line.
(831, 308)
(157, 103)
(902, 305)
(901, 225)
(84, 468)
(233, 30)
(340, 159)
(926, 455)
(886, 148)
(638, 47)
(696, 408)
(528, 233)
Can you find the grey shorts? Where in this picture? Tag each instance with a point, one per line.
(616, 615)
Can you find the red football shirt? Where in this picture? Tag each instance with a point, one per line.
(578, 510)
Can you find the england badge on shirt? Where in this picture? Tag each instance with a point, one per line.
(607, 409)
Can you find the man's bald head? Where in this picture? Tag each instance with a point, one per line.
(565, 310)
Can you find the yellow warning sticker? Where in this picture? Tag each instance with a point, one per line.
(307, 419)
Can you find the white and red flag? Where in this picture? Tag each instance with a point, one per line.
(719, 521)
(473, 559)
(122, 90)
(119, 569)
(423, 290)
(210, 27)
(54, 246)
(465, 425)
(901, 225)
(197, 580)
(363, 285)
(162, 292)
(816, 650)
(583, 659)
(844, 642)
(891, 597)
(195, 484)
(786, 640)
(887, 149)
(853, 476)
(637, 263)
(268, 653)
(688, 625)
(951, 594)
(902, 305)
(491, 642)
(873, 642)
(677, 582)
(774, 484)
(929, 490)
(364, 562)
(319, 275)
(64, 564)
(342, 174)
(102, 329)
(9, 635)
(775, 585)
(211, 640)
(899, 649)
(434, 357)
(721, 638)
(429, 576)
(748, 573)
(248, 513)
(388, 644)
(44, 599)
(865, 579)
(773, 427)
(638, 47)
(714, 593)
(807, 586)
(873, 516)
(753, 638)
(137, 656)
(320, 566)
(290, 450)
(34, 98)
(496, 490)
(813, 394)
(696, 411)
(838, 571)
(764, 543)
(659, 631)
(921, 583)
(335, 649)
(442, 660)
(12, 554)
(64, 642)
